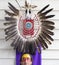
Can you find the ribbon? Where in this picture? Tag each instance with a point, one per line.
(36, 59)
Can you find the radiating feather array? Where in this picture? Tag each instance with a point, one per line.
(44, 38)
(47, 27)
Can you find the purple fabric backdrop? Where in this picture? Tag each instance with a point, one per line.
(36, 58)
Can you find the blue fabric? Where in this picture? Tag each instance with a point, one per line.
(36, 58)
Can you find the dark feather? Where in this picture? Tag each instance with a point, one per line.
(43, 41)
(20, 46)
(10, 14)
(48, 36)
(7, 33)
(48, 26)
(9, 23)
(11, 27)
(16, 11)
(10, 19)
(13, 6)
(48, 31)
(27, 46)
(17, 43)
(40, 42)
(14, 41)
(46, 17)
(26, 4)
(46, 12)
(11, 33)
(10, 36)
(47, 22)
(9, 30)
(43, 9)
(31, 47)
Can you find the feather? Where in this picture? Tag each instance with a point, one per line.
(17, 3)
(9, 23)
(11, 27)
(48, 36)
(46, 12)
(10, 36)
(10, 14)
(43, 41)
(48, 26)
(16, 43)
(40, 42)
(28, 47)
(45, 38)
(46, 17)
(12, 6)
(26, 4)
(20, 46)
(37, 46)
(43, 9)
(9, 30)
(16, 11)
(31, 47)
(48, 31)
(7, 33)
(11, 33)
(27, 43)
(10, 19)
(47, 22)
